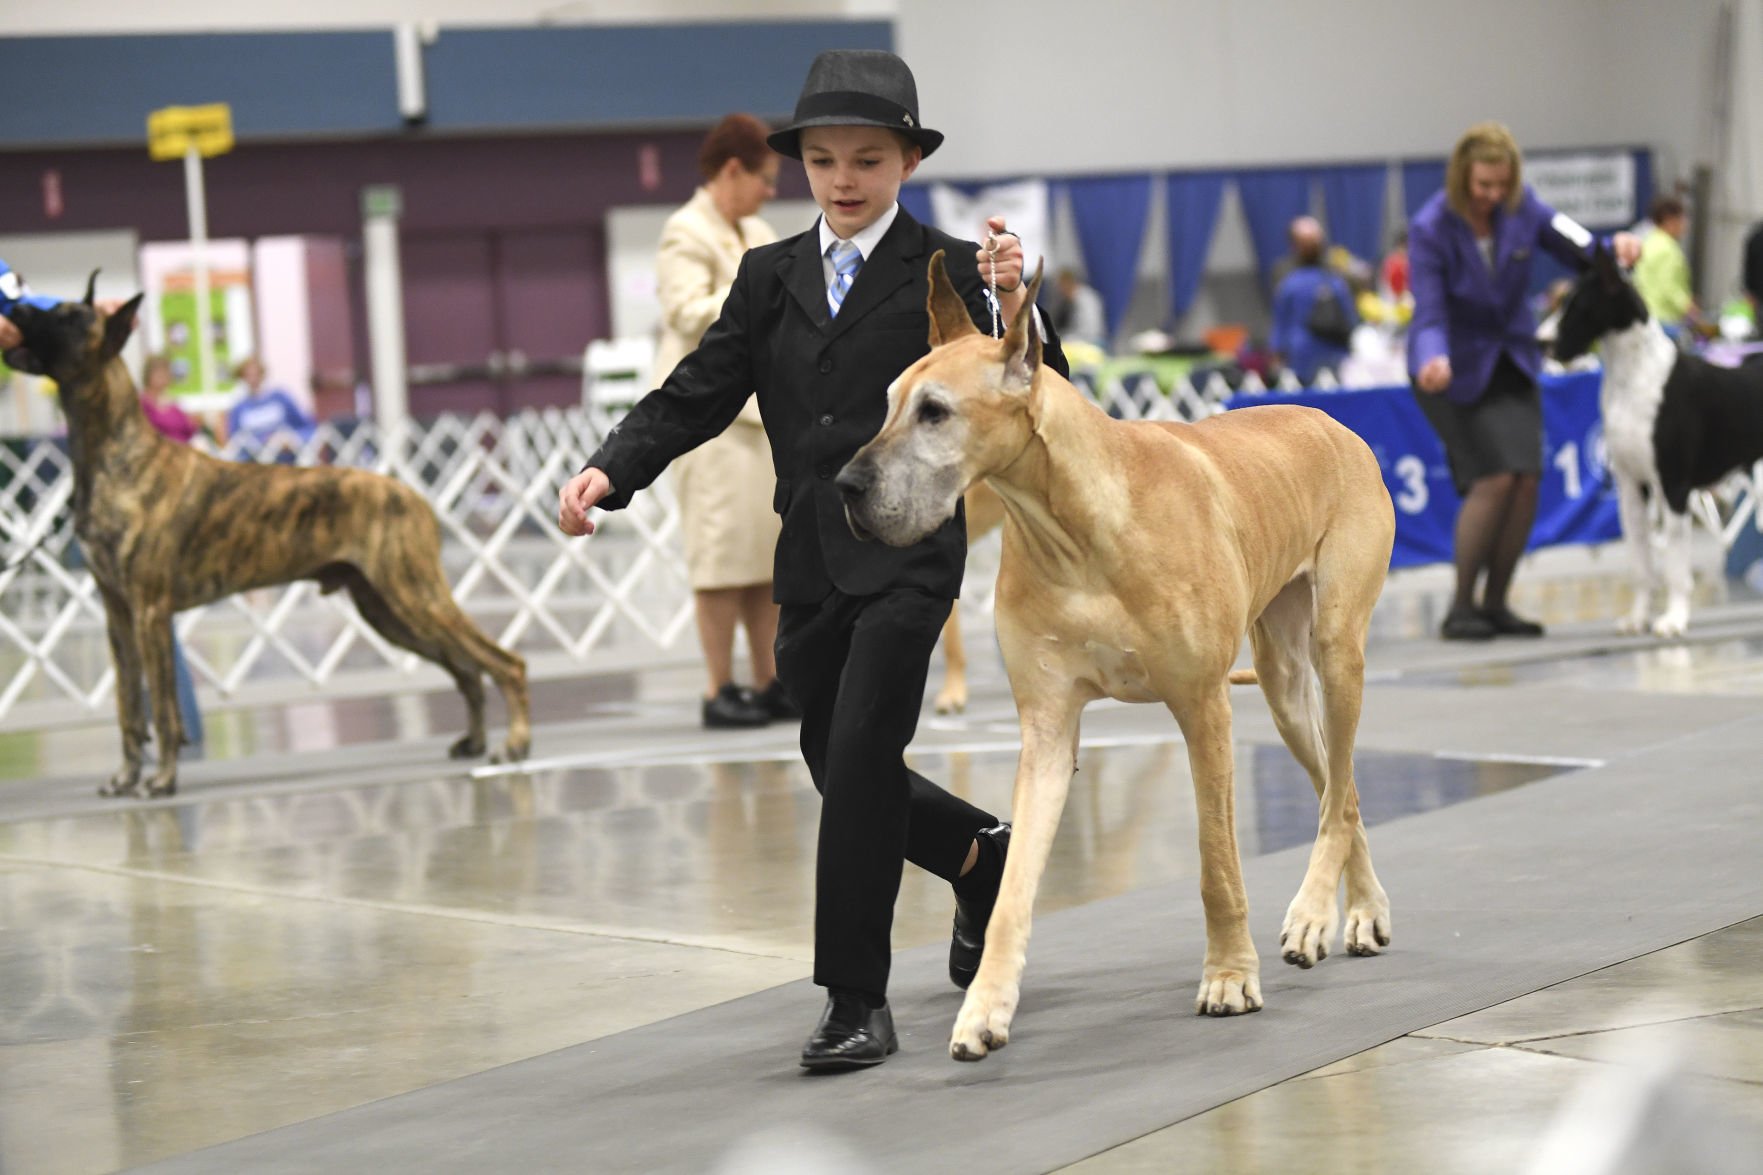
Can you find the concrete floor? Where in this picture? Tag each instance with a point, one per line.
(332, 914)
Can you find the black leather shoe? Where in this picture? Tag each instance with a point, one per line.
(777, 703)
(1505, 622)
(968, 941)
(850, 1035)
(1466, 626)
(733, 706)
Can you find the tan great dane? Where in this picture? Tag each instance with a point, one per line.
(1136, 556)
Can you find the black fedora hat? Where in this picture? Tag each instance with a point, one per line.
(856, 87)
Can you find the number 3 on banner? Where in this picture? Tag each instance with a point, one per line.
(1567, 461)
(1411, 472)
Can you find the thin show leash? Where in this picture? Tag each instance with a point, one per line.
(992, 279)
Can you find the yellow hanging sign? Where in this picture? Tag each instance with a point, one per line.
(172, 130)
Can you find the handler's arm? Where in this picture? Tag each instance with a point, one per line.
(1429, 334)
(698, 400)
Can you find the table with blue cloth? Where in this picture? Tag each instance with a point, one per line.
(1577, 502)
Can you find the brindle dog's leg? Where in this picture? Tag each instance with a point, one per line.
(125, 658)
(430, 624)
(154, 635)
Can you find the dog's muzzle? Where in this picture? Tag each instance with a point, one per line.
(854, 482)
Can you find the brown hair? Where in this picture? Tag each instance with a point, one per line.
(738, 136)
(1485, 142)
(1664, 208)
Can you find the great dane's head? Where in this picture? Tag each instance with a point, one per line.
(1603, 302)
(71, 342)
(958, 414)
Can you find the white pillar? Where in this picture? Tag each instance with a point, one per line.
(385, 308)
(196, 203)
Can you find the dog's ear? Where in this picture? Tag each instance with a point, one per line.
(118, 327)
(1022, 342)
(1604, 265)
(949, 319)
(91, 287)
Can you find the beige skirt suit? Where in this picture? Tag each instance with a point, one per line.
(725, 485)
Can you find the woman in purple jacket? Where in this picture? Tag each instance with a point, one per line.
(1474, 358)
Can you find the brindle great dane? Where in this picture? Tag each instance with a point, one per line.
(1136, 556)
(166, 528)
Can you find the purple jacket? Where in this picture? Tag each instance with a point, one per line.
(1467, 311)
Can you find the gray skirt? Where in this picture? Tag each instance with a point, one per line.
(1502, 432)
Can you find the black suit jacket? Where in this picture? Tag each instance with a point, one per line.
(822, 384)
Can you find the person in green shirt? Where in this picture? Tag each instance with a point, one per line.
(1662, 274)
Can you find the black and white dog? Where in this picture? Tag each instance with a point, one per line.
(1673, 423)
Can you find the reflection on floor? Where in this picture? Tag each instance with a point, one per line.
(331, 914)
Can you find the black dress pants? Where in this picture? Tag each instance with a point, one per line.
(856, 666)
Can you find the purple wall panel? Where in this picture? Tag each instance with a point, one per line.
(506, 229)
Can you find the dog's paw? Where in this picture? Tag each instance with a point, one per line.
(512, 752)
(1673, 624)
(951, 699)
(982, 1027)
(468, 747)
(1226, 991)
(1308, 931)
(161, 785)
(1368, 927)
(126, 782)
(1633, 624)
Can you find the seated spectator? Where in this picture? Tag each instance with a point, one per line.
(1079, 317)
(1662, 275)
(164, 415)
(1313, 313)
(1393, 275)
(261, 413)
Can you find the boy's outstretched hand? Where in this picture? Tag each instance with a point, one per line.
(1009, 261)
(579, 495)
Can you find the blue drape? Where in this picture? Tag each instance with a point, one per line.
(1421, 179)
(1191, 200)
(915, 199)
(1353, 198)
(1271, 201)
(1109, 212)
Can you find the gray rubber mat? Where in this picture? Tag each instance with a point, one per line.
(1492, 899)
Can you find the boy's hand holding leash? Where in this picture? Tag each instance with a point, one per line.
(580, 494)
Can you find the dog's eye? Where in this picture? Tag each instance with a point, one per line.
(932, 412)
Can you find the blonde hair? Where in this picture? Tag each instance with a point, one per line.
(1485, 142)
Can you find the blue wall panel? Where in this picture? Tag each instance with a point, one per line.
(88, 90)
(85, 91)
(580, 76)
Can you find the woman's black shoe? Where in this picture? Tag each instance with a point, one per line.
(851, 1034)
(1507, 623)
(733, 706)
(1466, 625)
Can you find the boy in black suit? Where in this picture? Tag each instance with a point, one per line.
(820, 325)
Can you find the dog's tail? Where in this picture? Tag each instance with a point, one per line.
(1244, 677)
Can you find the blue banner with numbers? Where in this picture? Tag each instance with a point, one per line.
(1577, 502)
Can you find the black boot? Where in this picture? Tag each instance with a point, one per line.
(777, 701)
(975, 895)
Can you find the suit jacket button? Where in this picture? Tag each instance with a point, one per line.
(825, 421)
(826, 365)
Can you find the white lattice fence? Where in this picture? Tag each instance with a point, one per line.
(493, 485)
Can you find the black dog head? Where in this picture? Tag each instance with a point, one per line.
(71, 342)
(1603, 301)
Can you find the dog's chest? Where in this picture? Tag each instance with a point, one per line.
(1636, 366)
(1119, 673)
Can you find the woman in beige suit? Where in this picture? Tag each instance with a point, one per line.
(725, 486)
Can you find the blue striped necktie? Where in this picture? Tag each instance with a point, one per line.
(847, 260)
